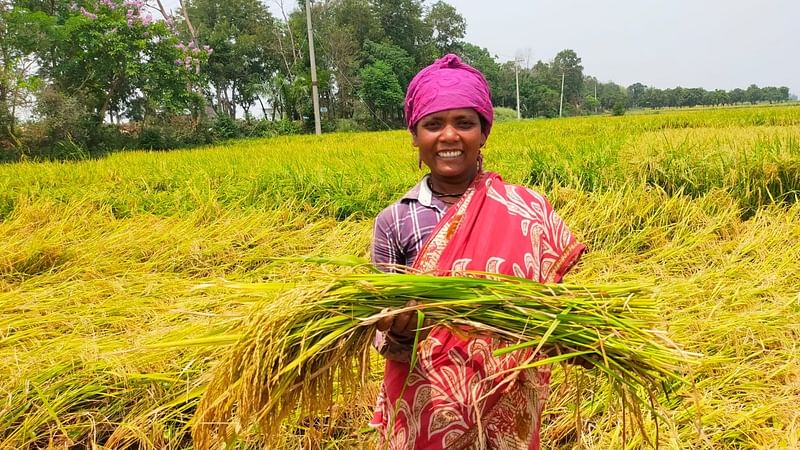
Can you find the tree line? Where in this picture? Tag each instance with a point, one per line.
(79, 77)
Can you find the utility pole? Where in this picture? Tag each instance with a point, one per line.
(561, 104)
(314, 89)
(595, 96)
(516, 75)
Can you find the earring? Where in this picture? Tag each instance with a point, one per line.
(419, 162)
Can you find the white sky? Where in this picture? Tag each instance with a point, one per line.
(663, 43)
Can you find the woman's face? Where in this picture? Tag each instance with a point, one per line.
(449, 142)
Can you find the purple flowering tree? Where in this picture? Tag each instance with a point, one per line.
(241, 34)
(120, 61)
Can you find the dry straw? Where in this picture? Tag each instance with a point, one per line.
(301, 347)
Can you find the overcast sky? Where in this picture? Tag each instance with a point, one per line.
(663, 43)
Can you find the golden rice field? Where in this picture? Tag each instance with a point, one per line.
(107, 342)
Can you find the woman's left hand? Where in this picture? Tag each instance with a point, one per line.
(401, 326)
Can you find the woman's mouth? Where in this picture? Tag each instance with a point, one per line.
(448, 154)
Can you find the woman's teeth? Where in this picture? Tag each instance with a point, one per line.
(450, 154)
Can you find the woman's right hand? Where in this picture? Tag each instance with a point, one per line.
(401, 326)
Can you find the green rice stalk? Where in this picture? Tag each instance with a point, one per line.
(301, 347)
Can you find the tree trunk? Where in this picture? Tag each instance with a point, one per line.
(107, 102)
(263, 109)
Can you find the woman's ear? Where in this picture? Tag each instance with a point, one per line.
(483, 140)
(414, 139)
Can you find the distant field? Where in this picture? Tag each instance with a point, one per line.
(98, 261)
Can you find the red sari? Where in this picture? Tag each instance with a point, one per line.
(448, 401)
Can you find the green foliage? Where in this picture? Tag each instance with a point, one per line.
(619, 108)
(225, 127)
(349, 125)
(6, 125)
(504, 114)
(481, 59)
(108, 61)
(447, 26)
(269, 128)
(380, 88)
(152, 138)
(63, 118)
(401, 63)
(568, 64)
(402, 24)
(20, 31)
(240, 32)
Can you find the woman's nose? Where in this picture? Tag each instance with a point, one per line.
(449, 132)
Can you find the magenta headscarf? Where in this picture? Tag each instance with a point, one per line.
(448, 83)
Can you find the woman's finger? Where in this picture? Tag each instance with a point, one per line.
(384, 323)
(408, 323)
(401, 322)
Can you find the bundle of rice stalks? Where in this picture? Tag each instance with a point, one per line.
(311, 340)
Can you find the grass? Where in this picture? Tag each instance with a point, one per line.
(99, 261)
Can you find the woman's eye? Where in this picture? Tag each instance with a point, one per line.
(466, 124)
(432, 126)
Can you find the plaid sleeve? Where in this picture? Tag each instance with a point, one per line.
(387, 255)
(386, 251)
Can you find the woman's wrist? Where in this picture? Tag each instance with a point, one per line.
(401, 339)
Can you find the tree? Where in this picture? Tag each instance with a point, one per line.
(737, 96)
(618, 108)
(481, 59)
(635, 92)
(342, 30)
(653, 98)
(694, 97)
(771, 94)
(401, 63)
(503, 92)
(753, 94)
(402, 25)
(540, 91)
(568, 64)
(19, 33)
(447, 26)
(380, 89)
(111, 53)
(611, 94)
(784, 93)
(720, 97)
(240, 32)
(355, 17)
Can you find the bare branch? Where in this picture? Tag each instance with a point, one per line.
(185, 13)
(295, 51)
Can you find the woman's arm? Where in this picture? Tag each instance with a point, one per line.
(395, 336)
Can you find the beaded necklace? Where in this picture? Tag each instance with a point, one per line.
(442, 194)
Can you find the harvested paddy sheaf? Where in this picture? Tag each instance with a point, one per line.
(105, 340)
(299, 343)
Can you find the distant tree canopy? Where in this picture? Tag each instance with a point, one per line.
(93, 73)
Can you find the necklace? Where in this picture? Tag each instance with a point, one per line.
(442, 194)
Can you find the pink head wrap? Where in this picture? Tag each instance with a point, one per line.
(448, 83)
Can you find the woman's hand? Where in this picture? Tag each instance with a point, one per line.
(402, 326)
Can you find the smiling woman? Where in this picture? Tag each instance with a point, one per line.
(449, 144)
(460, 218)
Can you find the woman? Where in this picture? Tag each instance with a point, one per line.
(460, 218)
